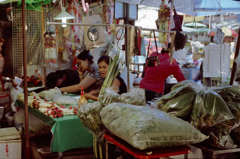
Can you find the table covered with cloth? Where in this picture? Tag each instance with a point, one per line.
(68, 131)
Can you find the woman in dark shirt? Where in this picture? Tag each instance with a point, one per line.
(62, 78)
(118, 83)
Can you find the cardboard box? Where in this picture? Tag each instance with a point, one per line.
(10, 143)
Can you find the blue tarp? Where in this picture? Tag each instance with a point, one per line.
(207, 7)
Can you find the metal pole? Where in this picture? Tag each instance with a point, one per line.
(165, 31)
(234, 63)
(83, 24)
(25, 81)
(127, 48)
(127, 25)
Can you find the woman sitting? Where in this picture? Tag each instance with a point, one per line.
(118, 83)
(89, 76)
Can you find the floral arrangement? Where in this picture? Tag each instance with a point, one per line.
(33, 81)
(54, 112)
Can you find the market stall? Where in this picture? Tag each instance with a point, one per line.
(65, 134)
(139, 118)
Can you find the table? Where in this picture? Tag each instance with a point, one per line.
(151, 153)
(68, 131)
(214, 151)
(190, 73)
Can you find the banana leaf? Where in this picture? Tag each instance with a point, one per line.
(235, 108)
(229, 93)
(173, 94)
(191, 84)
(219, 136)
(180, 106)
(209, 109)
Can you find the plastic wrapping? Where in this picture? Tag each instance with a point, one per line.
(173, 94)
(145, 128)
(209, 109)
(89, 116)
(50, 94)
(190, 84)
(235, 109)
(135, 96)
(109, 95)
(219, 136)
(60, 99)
(229, 93)
(180, 106)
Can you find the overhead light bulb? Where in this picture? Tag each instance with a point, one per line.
(64, 20)
(63, 16)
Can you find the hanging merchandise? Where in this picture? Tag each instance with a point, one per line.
(77, 30)
(94, 35)
(219, 36)
(163, 22)
(132, 41)
(139, 41)
(108, 11)
(50, 47)
(216, 62)
(64, 54)
(178, 19)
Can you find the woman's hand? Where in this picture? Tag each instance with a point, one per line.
(88, 95)
(94, 92)
(81, 74)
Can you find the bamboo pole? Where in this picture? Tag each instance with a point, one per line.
(43, 28)
(25, 82)
(234, 63)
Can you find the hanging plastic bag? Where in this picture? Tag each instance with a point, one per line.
(135, 96)
(208, 110)
(94, 35)
(90, 117)
(110, 95)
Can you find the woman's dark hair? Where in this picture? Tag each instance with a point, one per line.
(105, 58)
(3, 47)
(85, 55)
(53, 77)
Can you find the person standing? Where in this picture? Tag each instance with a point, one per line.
(154, 78)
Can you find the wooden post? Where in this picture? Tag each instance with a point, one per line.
(234, 63)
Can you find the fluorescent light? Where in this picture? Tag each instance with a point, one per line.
(63, 16)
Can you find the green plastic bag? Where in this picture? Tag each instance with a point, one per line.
(180, 106)
(229, 93)
(173, 94)
(219, 136)
(235, 109)
(190, 84)
(209, 109)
